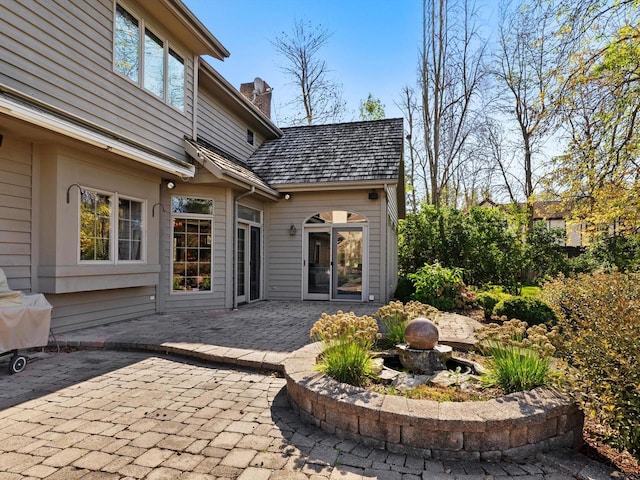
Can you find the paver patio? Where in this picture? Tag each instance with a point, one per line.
(124, 414)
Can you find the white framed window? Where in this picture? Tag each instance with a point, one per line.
(112, 228)
(192, 232)
(146, 59)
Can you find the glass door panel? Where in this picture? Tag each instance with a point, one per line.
(319, 263)
(242, 255)
(348, 260)
(254, 265)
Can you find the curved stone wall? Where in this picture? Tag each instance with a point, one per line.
(513, 427)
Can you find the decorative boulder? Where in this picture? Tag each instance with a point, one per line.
(421, 334)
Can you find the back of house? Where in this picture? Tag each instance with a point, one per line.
(135, 179)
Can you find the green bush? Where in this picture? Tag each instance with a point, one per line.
(531, 310)
(600, 318)
(489, 244)
(404, 290)
(441, 287)
(348, 340)
(488, 301)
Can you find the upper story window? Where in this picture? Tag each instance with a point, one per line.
(250, 137)
(147, 59)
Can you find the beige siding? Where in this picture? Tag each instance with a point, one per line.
(81, 310)
(221, 277)
(61, 53)
(219, 126)
(284, 260)
(15, 212)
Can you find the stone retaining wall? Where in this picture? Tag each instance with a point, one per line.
(513, 427)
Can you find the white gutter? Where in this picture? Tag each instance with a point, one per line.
(85, 135)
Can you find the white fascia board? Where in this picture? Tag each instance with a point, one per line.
(69, 129)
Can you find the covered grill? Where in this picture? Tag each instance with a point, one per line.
(25, 321)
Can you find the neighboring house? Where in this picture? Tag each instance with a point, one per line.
(134, 179)
(555, 215)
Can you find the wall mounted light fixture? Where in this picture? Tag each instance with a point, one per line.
(373, 195)
(292, 230)
(69, 189)
(0, 139)
(170, 184)
(287, 196)
(153, 209)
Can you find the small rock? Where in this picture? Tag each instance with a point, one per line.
(406, 381)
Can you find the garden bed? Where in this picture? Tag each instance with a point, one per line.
(513, 427)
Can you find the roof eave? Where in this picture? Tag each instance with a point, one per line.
(89, 134)
(340, 185)
(204, 42)
(227, 175)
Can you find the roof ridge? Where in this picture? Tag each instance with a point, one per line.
(357, 122)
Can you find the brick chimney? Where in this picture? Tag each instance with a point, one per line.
(258, 92)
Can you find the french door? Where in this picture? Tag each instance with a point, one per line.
(334, 264)
(249, 263)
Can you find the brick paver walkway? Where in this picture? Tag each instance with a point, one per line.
(102, 414)
(98, 414)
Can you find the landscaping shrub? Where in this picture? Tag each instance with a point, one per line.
(347, 339)
(520, 355)
(517, 333)
(396, 315)
(488, 301)
(441, 287)
(531, 310)
(516, 369)
(600, 319)
(404, 290)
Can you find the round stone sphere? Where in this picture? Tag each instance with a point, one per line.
(421, 334)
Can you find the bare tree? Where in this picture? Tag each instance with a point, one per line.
(451, 68)
(319, 98)
(416, 182)
(526, 65)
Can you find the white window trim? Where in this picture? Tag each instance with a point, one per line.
(198, 216)
(167, 44)
(114, 230)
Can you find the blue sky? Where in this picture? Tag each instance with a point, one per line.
(374, 45)
(373, 48)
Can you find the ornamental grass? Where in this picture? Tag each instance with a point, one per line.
(347, 339)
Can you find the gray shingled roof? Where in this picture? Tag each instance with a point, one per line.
(228, 165)
(340, 152)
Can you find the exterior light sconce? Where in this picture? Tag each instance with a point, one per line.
(69, 189)
(293, 230)
(0, 139)
(153, 209)
(170, 184)
(373, 195)
(287, 196)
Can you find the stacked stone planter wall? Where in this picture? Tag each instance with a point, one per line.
(513, 427)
